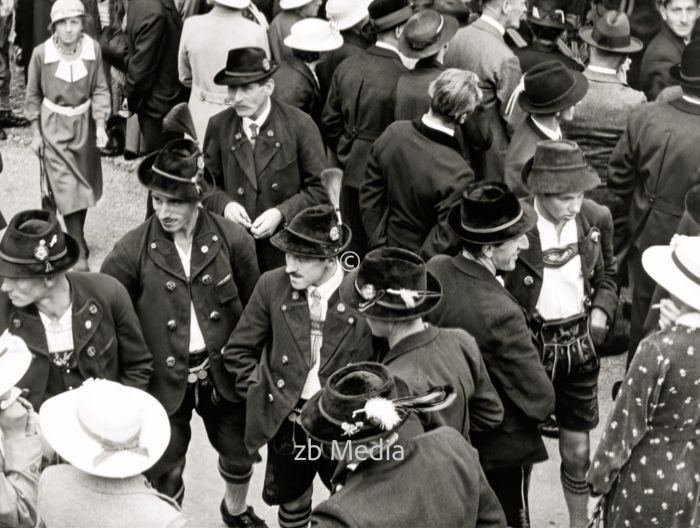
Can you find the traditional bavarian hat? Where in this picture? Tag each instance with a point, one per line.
(557, 167)
(245, 66)
(314, 232)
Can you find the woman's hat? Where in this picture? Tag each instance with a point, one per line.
(34, 246)
(106, 429)
(245, 66)
(363, 402)
(551, 87)
(177, 171)
(676, 268)
(233, 4)
(692, 203)
(425, 33)
(15, 359)
(548, 13)
(313, 34)
(314, 232)
(490, 213)
(558, 167)
(688, 71)
(62, 9)
(391, 284)
(293, 4)
(387, 14)
(347, 13)
(611, 33)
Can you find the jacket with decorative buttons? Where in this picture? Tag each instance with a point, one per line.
(268, 352)
(107, 339)
(223, 272)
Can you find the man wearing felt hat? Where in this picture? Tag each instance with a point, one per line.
(77, 325)
(360, 105)
(565, 281)
(551, 92)
(266, 157)
(390, 472)
(492, 224)
(293, 334)
(199, 270)
(20, 443)
(393, 290)
(652, 168)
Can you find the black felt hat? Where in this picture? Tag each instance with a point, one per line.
(387, 14)
(557, 167)
(177, 171)
(314, 232)
(391, 284)
(688, 71)
(551, 87)
(426, 32)
(244, 66)
(490, 213)
(548, 13)
(35, 246)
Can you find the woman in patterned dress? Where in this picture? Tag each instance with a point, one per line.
(648, 460)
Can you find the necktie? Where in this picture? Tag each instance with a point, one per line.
(253, 134)
(316, 317)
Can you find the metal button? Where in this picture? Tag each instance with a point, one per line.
(70, 388)
(206, 280)
(277, 144)
(215, 315)
(351, 320)
(170, 285)
(240, 191)
(270, 133)
(340, 308)
(284, 307)
(275, 186)
(280, 384)
(205, 249)
(67, 371)
(652, 199)
(172, 325)
(153, 245)
(295, 295)
(88, 324)
(270, 398)
(16, 323)
(214, 238)
(528, 281)
(92, 309)
(170, 361)
(91, 351)
(285, 360)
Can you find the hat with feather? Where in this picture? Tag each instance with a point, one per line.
(363, 402)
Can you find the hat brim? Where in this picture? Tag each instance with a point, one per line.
(352, 299)
(450, 27)
(351, 19)
(233, 4)
(288, 242)
(60, 426)
(634, 46)
(658, 263)
(322, 430)
(675, 72)
(224, 79)
(286, 5)
(26, 271)
(548, 23)
(579, 92)
(15, 362)
(328, 44)
(554, 182)
(171, 188)
(391, 20)
(692, 204)
(522, 226)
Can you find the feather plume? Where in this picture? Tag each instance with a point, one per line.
(331, 179)
(179, 121)
(435, 399)
(382, 413)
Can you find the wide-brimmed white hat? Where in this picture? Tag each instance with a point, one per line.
(62, 9)
(233, 4)
(313, 34)
(676, 268)
(106, 429)
(293, 4)
(14, 360)
(347, 13)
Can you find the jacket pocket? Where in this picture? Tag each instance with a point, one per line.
(226, 290)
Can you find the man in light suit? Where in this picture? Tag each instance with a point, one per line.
(480, 48)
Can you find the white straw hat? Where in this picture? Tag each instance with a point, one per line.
(62, 9)
(293, 4)
(347, 13)
(14, 360)
(676, 268)
(106, 429)
(313, 34)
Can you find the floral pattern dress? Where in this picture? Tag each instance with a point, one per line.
(648, 460)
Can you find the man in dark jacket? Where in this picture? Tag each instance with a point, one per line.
(199, 270)
(77, 325)
(153, 30)
(266, 157)
(491, 224)
(291, 337)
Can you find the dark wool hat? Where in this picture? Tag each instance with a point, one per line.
(559, 167)
(611, 33)
(387, 14)
(551, 87)
(688, 71)
(426, 32)
(245, 66)
(35, 246)
(177, 171)
(490, 213)
(391, 284)
(548, 13)
(314, 232)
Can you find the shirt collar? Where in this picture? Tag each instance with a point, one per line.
(601, 69)
(550, 133)
(495, 23)
(387, 46)
(691, 320)
(327, 289)
(690, 99)
(87, 50)
(247, 121)
(436, 125)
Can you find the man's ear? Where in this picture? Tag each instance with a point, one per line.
(487, 250)
(269, 86)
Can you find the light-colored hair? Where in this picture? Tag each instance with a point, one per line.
(454, 93)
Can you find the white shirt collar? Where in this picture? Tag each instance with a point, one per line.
(436, 125)
(87, 50)
(247, 121)
(691, 320)
(691, 99)
(327, 289)
(549, 132)
(495, 23)
(387, 46)
(601, 69)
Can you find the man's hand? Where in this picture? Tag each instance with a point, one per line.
(19, 419)
(599, 326)
(37, 144)
(265, 224)
(668, 313)
(237, 213)
(101, 137)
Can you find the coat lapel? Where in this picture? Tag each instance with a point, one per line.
(335, 328)
(243, 151)
(87, 316)
(297, 317)
(162, 251)
(532, 256)
(267, 145)
(25, 323)
(205, 246)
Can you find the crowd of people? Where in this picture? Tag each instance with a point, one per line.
(390, 245)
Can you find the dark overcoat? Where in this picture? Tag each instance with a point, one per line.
(296, 86)
(415, 174)
(664, 51)
(475, 301)
(107, 338)
(223, 273)
(520, 149)
(412, 99)
(436, 482)
(437, 357)
(598, 264)
(268, 352)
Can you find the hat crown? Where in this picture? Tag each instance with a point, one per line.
(489, 206)
(62, 9)
(613, 24)
(548, 82)
(317, 224)
(548, 10)
(179, 159)
(33, 237)
(556, 155)
(251, 60)
(387, 14)
(313, 29)
(423, 28)
(690, 62)
(346, 13)
(391, 268)
(109, 412)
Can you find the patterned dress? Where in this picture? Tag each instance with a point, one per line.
(648, 460)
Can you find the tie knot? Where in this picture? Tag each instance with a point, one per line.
(253, 131)
(315, 295)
